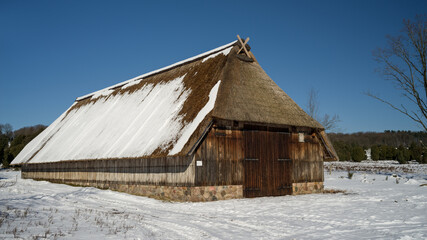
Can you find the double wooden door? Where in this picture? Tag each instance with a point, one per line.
(267, 163)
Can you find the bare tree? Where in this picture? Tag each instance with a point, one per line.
(403, 63)
(329, 122)
(7, 130)
(312, 106)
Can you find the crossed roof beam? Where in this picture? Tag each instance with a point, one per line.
(243, 46)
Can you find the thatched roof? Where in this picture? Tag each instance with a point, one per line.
(248, 94)
(164, 112)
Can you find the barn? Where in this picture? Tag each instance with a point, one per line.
(211, 127)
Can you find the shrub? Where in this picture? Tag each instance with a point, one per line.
(350, 174)
(358, 154)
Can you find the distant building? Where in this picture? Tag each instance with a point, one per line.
(368, 154)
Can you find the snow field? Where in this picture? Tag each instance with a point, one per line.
(373, 206)
(382, 167)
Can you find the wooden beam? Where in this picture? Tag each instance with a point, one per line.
(243, 46)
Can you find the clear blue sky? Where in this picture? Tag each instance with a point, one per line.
(54, 51)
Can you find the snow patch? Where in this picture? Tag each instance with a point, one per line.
(102, 93)
(413, 182)
(131, 84)
(191, 127)
(127, 125)
(160, 70)
(224, 52)
(32, 147)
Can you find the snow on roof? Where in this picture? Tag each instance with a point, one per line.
(209, 54)
(191, 127)
(123, 126)
(154, 117)
(38, 142)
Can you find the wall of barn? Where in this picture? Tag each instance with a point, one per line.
(229, 163)
(219, 158)
(173, 171)
(169, 178)
(307, 158)
(265, 161)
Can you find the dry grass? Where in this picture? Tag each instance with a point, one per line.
(333, 191)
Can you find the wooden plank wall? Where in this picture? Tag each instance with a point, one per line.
(307, 159)
(175, 171)
(267, 164)
(221, 154)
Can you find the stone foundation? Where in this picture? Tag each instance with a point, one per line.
(307, 187)
(177, 193)
(183, 194)
(172, 193)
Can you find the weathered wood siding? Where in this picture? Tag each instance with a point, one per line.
(221, 155)
(307, 159)
(174, 171)
(267, 164)
(263, 161)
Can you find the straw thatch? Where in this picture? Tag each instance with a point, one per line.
(249, 95)
(246, 94)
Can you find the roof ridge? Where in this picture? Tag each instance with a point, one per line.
(145, 75)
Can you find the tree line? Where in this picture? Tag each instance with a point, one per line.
(403, 62)
(402, 146)
(12, 142)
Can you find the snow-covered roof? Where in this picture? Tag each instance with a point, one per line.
(154, 114)
(209, 54)
(166, 111)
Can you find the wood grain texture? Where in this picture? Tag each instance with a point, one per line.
(271, 173)
(177, 171)
(221, 154)
(265, 161)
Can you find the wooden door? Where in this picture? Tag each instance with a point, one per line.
(267, 164)
(252, 164)
(282, 163)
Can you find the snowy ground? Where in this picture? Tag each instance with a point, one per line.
(374, 206)
(381, 167)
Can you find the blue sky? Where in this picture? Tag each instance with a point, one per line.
(54, 51)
